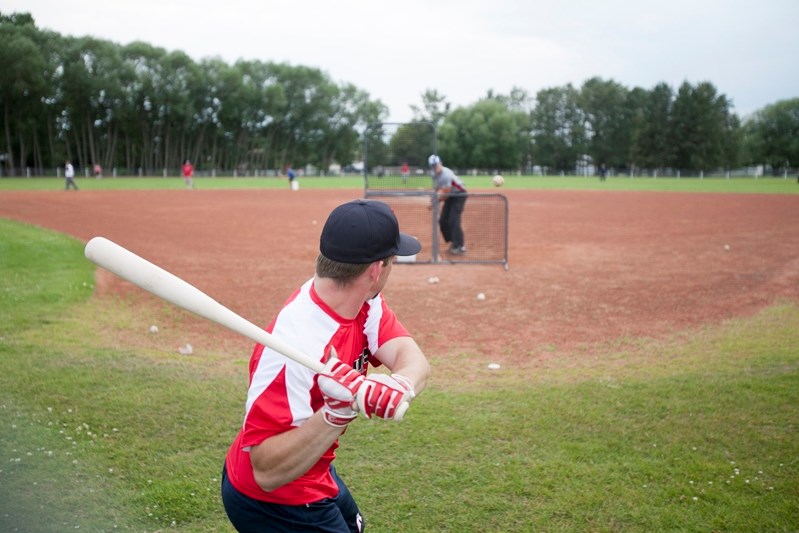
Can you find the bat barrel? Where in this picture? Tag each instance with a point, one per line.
(171, 288)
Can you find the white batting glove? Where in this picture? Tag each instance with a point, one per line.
(339, 384)
(385, 396)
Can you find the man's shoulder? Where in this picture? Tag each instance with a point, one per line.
(448, 174)
(447, 170)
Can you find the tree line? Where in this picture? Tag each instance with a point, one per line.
(637, 130)
(140, 108)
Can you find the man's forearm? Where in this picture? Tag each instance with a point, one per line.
(283, 458)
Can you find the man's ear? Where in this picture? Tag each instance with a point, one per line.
(375, 269)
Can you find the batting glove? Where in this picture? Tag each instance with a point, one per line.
(339, 384)
(385, 396)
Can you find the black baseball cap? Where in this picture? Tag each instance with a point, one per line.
(364, 231)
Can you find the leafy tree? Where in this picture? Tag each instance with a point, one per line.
(212, 113)
(17, 19)
(413, 143)
(521, 104)
(772, 135)
(484, 135)
(733, 141)
(352, 112)
(653, 144)
(558, 129)
(176, 108)
(145, 100)
(377, 150)
(434, 109)
(607, 121)
(90, 90)
(22, 87)
(637, 100)
(518, 100)
(702, 131)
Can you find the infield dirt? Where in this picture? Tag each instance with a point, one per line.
(586, 268)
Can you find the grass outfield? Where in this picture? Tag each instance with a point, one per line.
(739, 185)
(700, 433)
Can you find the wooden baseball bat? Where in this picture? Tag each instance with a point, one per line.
(171, 288)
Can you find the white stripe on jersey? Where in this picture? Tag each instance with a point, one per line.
(303, 325)
(372, 325)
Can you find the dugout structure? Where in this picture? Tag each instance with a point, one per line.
(387, 147)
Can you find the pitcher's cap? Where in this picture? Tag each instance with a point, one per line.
(433, 160)
(364, 231)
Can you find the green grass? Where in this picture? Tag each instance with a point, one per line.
(696, 433)
(737, 185)
(698, 448)
(108, 439)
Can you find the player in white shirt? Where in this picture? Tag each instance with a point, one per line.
(449, 189)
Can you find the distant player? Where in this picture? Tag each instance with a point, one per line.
(188, 174)
(449, 189)
(405, 171)
(69, 174)
(292, 176)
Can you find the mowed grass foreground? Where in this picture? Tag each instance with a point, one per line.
(698, 433)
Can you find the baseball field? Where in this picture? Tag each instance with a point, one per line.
(646, 332)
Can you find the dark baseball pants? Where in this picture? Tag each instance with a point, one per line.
(450, 219)
(331, 515)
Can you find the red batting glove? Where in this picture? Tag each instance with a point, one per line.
(339, 384)
(385, 396)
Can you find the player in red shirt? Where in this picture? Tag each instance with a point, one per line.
(188, 174)
(405, 171)
(278, 472)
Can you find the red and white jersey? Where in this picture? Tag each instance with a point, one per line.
(283, 394)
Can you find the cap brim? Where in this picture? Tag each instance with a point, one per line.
(408, 245)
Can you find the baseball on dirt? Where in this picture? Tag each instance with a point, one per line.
(153, 329)
(498, 180)
(186, 349)
(481, 296)
(727, 247)
(493, 366)
(432, 280)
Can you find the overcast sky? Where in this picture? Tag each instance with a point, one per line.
(397, 49)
